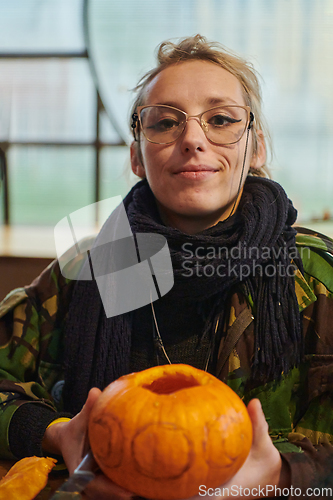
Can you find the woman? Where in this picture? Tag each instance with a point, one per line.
(198, 135)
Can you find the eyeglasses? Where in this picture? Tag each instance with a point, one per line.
(162, 124)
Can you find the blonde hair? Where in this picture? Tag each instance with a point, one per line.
(198, 48)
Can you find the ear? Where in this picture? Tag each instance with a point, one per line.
(136, 162)
(259, 158)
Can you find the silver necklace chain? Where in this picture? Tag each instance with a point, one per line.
(159, 346)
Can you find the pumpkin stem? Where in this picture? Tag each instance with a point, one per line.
(168, 384)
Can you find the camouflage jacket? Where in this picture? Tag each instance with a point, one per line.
(298, 408)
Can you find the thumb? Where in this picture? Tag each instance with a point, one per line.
(82, 419)
(93, 395)
(259, 424)
(88, 406)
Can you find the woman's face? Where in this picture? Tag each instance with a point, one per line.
(195, 182)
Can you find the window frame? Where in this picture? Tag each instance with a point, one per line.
(96, 143)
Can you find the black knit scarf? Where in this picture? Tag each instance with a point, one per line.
(97, 349)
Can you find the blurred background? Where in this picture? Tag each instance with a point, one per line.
(67, 68)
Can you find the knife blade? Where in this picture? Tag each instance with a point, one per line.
(75, 484)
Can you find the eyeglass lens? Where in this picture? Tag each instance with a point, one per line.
(222, 125)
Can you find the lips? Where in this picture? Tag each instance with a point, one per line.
(195, 168)
(197, 173)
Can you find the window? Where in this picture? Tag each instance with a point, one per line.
(66, 80)
(53, 126)
(290, 43)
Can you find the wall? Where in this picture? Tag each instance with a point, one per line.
(19, 271)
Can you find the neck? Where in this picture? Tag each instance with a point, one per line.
(194, 224)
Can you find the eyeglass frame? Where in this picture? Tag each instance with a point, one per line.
(136, 119)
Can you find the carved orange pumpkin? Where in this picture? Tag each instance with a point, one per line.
(163, 432)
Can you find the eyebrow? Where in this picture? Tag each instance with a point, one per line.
(211, 101)
(221, 100)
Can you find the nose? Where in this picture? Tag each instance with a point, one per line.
(193, 137)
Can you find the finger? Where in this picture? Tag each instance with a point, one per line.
(259, 424)
(82, 418)
(80, 424)
(91, 400)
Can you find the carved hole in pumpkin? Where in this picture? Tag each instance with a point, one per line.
(168, 384)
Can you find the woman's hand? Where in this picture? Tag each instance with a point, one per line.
(70, 439)
(262, 467)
